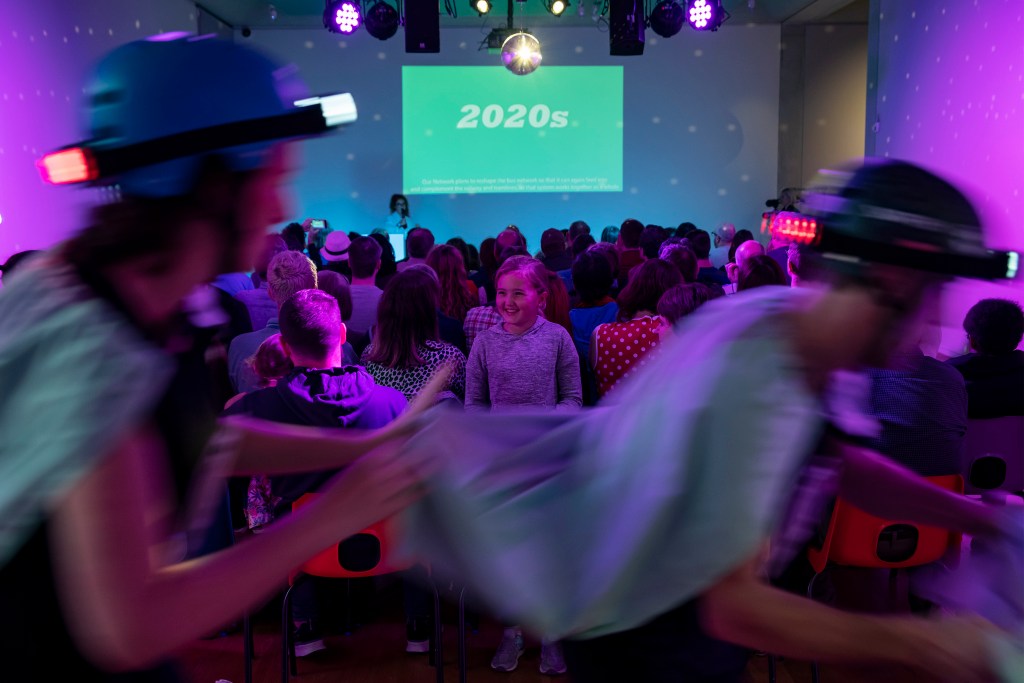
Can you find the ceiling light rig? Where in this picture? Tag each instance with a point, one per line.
(521, 54)
(342, 16)
(557, 7)
(481, 7)
(381, 20)
(667, 18)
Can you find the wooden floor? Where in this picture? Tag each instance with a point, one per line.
(375, 653)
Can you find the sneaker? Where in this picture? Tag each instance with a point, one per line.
(417, 636)
(307, 640)
(509, 651)
(552, 662)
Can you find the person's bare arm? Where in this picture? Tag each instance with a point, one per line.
(885, 489)
(742, 609)
(273, 448)
(125, 610)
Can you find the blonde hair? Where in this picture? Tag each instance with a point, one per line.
(289, 272)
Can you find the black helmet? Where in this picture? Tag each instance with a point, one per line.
(896, 213)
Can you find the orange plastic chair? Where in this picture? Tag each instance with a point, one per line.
(371, 552)
(858, 539)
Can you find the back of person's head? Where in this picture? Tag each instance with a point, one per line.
(700, 242)
(526, 267)
(725, 233)
(684, 228)
(747, 251)
(802, 266)
(510, 251)
(682, 300)
(446, 262)
(552, 242)
(739, 238)
(610, 234)
(311, 324)
(610, 253)
(630, 232)
(592, 276)
(683, 258)
(364, 257)
(576, 229)
(406, 318)
(582, 243)
(336, 285)
(760, 270)
(270, 362)
(289, 272)
(509, 237)
(419, 242)
(463, 248)
(387, 252)
(472, 258)
(556, 309)
(273, 245)
(489, 254)
(647, 283)
(651, 239)
(995, 326)
(294, 236)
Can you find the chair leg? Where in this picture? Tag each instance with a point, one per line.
(771, 668)
(287, 641)
(248, 646)
(462, 635)
(437, 646)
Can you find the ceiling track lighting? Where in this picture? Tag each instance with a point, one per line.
(342, 16)
(705, 15)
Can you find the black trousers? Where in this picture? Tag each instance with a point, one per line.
(672, 648)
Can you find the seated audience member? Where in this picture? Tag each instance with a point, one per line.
(651, 240)
(592, 276)
(700, 242)
(449, 328)
(288, 272)
(799, 268)
(618, 349)
(581, 244)
(555, 251)
(630, 254)
(724, 235)
(256, 300)
(418, 244)
(778, 249)
(684, 229)
(321, 392)
(456, 297)
(407, 350)
(921, 407)
(365, 263)
(337, 286)
(743, 253)
(576, 230)
(760, 270)
(994, 370)
(610, 234)
(682, 257)
(334, 253)
(508, 243)
(741, 237)
(681, 300)
(388, 266)
(270, 363)
(483, 278)
(611, 253)
(294, 236)
(472, 259)
(557, 308)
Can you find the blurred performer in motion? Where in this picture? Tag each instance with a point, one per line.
(104, 436)
(651, 515)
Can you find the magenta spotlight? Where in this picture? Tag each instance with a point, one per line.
(705, 15)
(342, 17)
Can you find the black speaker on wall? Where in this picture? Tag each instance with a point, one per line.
(626, 19)
(422, 26)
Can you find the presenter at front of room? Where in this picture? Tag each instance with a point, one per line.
(398, 219)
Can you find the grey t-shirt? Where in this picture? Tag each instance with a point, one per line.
(364, 308)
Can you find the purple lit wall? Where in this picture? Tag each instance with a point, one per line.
(46, 49)
(949, 95)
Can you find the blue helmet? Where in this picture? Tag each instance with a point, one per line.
(155, 108)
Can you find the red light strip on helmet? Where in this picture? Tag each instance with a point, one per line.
(794, 227)
(72, 165)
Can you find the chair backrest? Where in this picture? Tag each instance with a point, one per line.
(857, 539)
(993, 454)
(371, 552)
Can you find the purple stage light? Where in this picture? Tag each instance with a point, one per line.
(342, 17)
(704, 15)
